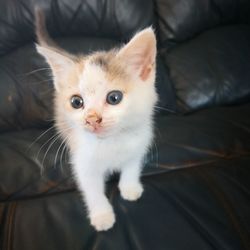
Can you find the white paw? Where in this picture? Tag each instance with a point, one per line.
(103, 221)
(131, 192)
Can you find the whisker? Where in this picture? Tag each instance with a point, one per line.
(148, 157)
(44, 144)
(64, 151)
(40, 166)
(56, 137)
(50, 146)
(50, 120)
(36, 70)
(157, 155)
(46, 80)
(165, 109)
(57, 152)
(65, 155)
(39, 137)
(61, 156)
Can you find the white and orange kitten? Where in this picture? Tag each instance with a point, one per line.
(104, 106)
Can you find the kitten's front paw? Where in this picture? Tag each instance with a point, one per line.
(131, 192)
(103, 221)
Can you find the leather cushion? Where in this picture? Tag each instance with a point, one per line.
(201, 138)
(183, 19)
(206, 207)
(211, 69)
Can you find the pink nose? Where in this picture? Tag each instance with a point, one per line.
(93, 119)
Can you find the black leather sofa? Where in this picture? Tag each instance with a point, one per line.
(197, 173)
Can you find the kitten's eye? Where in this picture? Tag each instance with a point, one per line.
(114, 97)
(76, 102)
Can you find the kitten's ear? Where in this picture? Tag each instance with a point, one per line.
(58, 59)
(140, 53)
(58, 62)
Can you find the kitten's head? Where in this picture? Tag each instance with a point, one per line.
(104, 92)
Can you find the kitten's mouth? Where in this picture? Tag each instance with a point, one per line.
(102, 129)
(95, 129)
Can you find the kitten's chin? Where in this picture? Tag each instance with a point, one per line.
(99, 132)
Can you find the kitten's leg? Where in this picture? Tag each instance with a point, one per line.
(130, 186)
(100, 210)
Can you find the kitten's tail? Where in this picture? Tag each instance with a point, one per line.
(42, 34)
(43, 37)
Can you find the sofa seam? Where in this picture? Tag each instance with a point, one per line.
(8, 238)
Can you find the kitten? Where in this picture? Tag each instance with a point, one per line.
(104, 105)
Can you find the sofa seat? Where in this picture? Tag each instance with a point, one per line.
(195, 178)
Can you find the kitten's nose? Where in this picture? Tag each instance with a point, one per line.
(93, 119)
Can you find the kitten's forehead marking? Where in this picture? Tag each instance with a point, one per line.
(100, 71)
(101, 62)
(108, 63)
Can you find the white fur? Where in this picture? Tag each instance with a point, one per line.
(123, 150)
(124, 143)
(97, 157)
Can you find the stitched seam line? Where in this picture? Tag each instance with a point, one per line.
(10, 226)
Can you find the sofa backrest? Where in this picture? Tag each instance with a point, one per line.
(90, 18)
(206, 48)
(180, 20)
